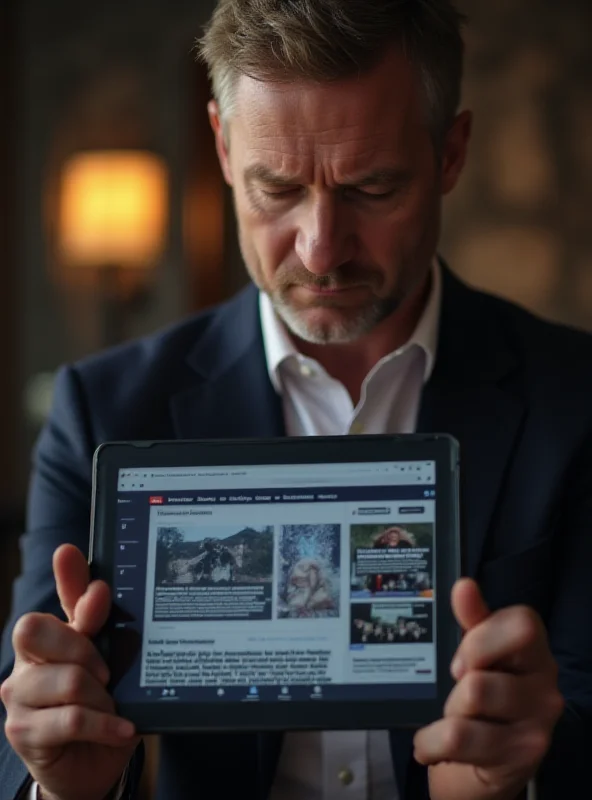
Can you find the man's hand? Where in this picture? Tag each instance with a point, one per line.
(500, 716)
(60, 719)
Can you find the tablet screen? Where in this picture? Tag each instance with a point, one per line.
(279, 583)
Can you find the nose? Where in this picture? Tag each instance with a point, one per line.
(323, 240)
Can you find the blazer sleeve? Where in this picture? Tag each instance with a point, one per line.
(566, 770)
(58, 512)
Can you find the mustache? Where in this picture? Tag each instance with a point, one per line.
(345, 276)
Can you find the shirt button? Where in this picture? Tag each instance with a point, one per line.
(306, 370)
(357, 428)
(346, 777)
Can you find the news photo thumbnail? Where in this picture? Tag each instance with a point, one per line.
(309, 571)
(390, 560)
(213, 572)
(391, 623)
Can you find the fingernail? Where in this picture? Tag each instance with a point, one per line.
(457, 668)
(419, 754)
(125, 729)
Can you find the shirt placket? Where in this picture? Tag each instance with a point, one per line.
(345, 766)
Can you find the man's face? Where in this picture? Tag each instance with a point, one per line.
(337, 190)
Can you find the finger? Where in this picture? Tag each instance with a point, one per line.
(482, 744)
(468, 604)
(512, 639)
(51, 685)
(40, 638)
(72, 576)
(54, 727)
(92, 609)
(502, 697)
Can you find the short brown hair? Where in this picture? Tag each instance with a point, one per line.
(324, 40)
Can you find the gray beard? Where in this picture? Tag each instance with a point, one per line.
(341, 333)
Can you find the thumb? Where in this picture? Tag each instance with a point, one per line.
(85, 605)
(468, 605)
(72, 577)
(92, 610)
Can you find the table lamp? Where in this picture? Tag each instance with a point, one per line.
(112, 223)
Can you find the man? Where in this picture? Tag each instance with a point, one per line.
(336, 125)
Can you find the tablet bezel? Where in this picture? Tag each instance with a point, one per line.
(161, 717)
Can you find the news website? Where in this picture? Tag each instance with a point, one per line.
(316, 577)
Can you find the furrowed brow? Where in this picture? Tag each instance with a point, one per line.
(382, 177)
(258, 173)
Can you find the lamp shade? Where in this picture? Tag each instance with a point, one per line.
(113, 209)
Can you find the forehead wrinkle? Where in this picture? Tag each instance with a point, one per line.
(259, 123)
(366, 158)
(358, 112)
(282, 172)
(366, 152)
(291, 134)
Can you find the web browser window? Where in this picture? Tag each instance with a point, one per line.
(279, 583)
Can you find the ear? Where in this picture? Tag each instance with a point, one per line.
(455, 150)
(221, 145)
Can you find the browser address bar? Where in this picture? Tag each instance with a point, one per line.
(339, 480)
(260, 471)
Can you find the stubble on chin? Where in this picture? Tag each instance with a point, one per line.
(348, 325)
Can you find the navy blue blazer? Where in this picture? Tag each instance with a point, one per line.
(515, 391)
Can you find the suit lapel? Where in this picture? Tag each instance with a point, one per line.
(231, 396)
(473, 395)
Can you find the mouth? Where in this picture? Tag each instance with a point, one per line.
(331, 291)
(324, 291)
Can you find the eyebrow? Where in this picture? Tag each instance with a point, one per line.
(383, 177)
(386, 176)
(262, 174)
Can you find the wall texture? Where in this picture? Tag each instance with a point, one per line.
(99, 75)
(520, 223)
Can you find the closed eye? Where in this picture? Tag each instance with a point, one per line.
(372, 194)
(279, 192)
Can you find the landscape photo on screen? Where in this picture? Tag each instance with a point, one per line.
(213, 572)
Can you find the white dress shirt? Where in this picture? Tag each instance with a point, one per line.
(349, 765)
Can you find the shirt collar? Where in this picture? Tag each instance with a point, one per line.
(280, 348)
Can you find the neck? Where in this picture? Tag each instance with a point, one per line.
(350, 363)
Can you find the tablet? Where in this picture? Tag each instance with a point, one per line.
(297, 583)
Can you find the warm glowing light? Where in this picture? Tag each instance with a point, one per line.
(113, 209)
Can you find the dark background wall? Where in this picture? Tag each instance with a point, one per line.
(109, 74)
(521, 222)
(11, 455)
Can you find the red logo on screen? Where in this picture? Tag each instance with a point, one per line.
(156, 501)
